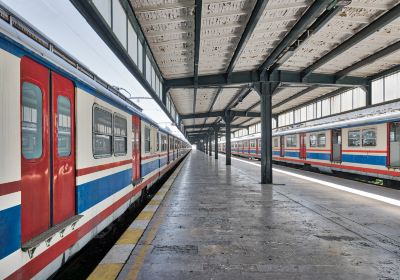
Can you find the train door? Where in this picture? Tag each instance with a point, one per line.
(394, 144)
(303, 147)
(336, 143)
(135, 148)
(282, 142)
(47, 146)
(63, 151)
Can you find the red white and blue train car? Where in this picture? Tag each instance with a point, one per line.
(365, 143)
(74, 154)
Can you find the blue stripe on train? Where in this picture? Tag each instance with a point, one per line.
(10, 230)
(91, 193)
(276, 153)
(364, 159)
(163, 161)
(320, 156)
(291, 154)
(148, 167)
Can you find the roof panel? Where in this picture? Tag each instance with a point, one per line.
(183, 100)
(169, 30)
(223, 23)
(341, 27)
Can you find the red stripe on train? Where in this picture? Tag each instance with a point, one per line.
(11, 187)
(92, 169)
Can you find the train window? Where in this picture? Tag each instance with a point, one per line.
(291, 141)
(158, 142)
(163, 143)
(354, 138)
(147, 140)
(369, 137)
(64, 126)
(321, 140)
(102, 132)
(120, 135)
(253, 143)
(31, 121)
(313, 140)
(276, 143)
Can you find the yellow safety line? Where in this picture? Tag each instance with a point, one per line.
(141, 256)
(110, 271)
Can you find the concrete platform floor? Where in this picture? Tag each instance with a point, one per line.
(218, 222)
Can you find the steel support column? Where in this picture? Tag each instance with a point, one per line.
(216, 143)
(210, 145)
(266, 133)
(228, 151)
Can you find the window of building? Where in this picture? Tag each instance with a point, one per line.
(31, 121)
(64, 126)
(119, 22)
(132, 43)
(102, 132)
(147, 140)
(354, 138)
(291, 141)
(369, 137)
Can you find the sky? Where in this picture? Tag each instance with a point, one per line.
(62, 23)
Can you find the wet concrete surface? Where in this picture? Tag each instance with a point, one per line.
(218, 222)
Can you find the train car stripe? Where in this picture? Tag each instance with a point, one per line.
(92, 169)
(10, 230)
(91, 193)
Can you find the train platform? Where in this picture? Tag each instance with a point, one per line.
(219, 222)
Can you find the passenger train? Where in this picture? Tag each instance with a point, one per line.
(365, 142)
(75, 154)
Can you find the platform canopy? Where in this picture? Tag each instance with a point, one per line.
(213, 54)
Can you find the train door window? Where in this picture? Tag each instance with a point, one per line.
(147, 140)
(64, 126)
(120, 135)
(102, 132)
(369, 137)
(321, 140)
(31, 121)
(252, 143)
(394, 138)
(354, 138)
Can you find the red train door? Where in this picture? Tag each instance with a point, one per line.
(35, 149)
(47, 146)
(63, 151)
(135, 148)
(282, 142)
(303, 149)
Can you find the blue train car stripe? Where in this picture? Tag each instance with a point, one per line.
(163, 161)
(148, 167)
(276, 153)
(364, 159)
(292, 154)
(93, 192)
(320, 156)
(10, 230)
